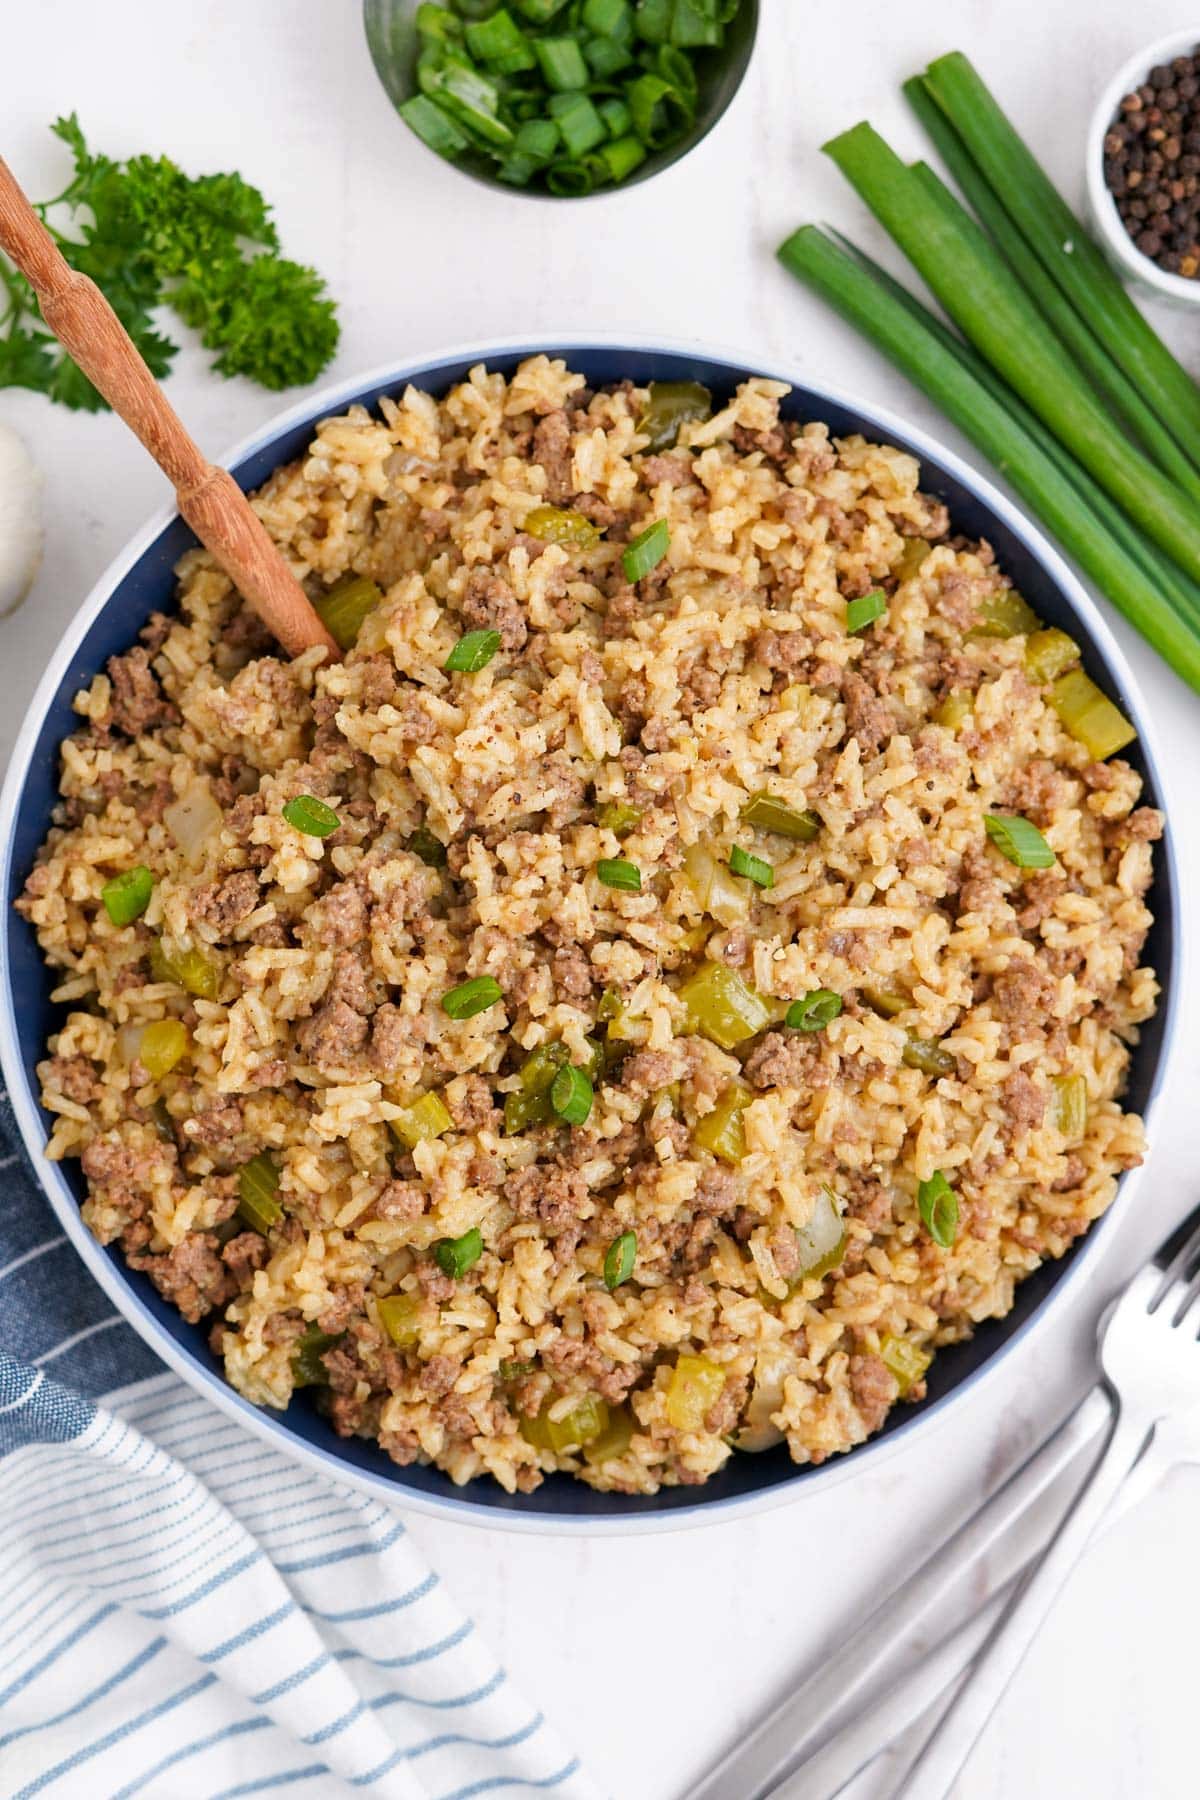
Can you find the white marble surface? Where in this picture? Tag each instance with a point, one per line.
(653, 1653)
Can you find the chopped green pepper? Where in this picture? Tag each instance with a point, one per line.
(822, 1242)
(1090, 716)
(400, 1316)
(769, 814)
(258, 1183)
(619, 818)
(308, 1370)
(429, 1117)
(191, 970)
(162, 1045)
(906, 1360)
(558, 525)
(127, 896)
(344, 609)
(927, 1055)
(1004, 615)
(669, 406)
(573, 1430)
(721, 1131)
(722, 1007)
(1049, 653)
(694, 1389)
(1070, 1112)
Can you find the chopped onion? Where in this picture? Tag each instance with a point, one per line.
(192, 819)
(129, 1042)
(717, 890)
(758, 1433)
(20, 521)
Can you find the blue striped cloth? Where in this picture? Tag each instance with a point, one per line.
(185, 1614)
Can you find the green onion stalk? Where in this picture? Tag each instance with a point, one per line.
(923, 355)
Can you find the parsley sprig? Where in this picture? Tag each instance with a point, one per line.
(150, 235)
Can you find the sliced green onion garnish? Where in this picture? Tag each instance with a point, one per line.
(578, 122)
(562, 63)
(498, 39)
(472, 99)
(472, 652)
(606, 18)
(813, 1011)
(938, 1206)
(127, 896)
(646, 550)
(621, 157)
(927, 1055)
(539, 12)
(471, 997)
(434, 128)
(754, 868)
(615, 872)
(1019, 840)
(606, 57)
(571, 1095)
(454, 1256)
(619, 1260)
(617, 117)
(864, 611)
(258, 1183)
(537, 139)
(570, 181)
(311, 816)
(660, 112)
(437, 22)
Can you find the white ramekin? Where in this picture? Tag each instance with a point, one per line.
(1130, 262)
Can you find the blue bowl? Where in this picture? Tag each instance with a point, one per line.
(141, 581)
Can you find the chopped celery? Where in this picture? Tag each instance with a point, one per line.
(400, 1316)
(722, 1007)
(912, 556)
(558, 525)
(308, 1370)
(1070, 1107)
(906, 1360)
(1090, 716)
(162, 1045)
(191, 970)
(954, 710)
(886, 1002)
(822, 1242)
(583, 1424)
(619, 818)
(344, 608)
(927, 1055)
(721, 1131)
(1049, 653)
(717, 890)
(672, 404)
(614, 1440)
(1004, 615)
(428, 1117)
(769, 814)
(258, 1183)
(695, 1386)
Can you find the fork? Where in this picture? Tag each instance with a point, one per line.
(1150, 1361)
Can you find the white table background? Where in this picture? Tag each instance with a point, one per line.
(653, 1653)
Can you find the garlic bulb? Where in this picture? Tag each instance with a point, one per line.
(20, 521)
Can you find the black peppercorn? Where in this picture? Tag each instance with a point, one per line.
(1152, 164)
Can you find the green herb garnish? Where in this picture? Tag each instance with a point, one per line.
(471, 997)
(1019, 840)
(646, 550)
(619, 1260)
(472, 653)
(454, 1256)
(814, 1011)
(938, 1205)
(754, 868)
(152, 236)
(615, 872)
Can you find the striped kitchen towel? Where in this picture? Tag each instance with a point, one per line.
(184, 1613)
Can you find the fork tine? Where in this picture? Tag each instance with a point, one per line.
(1180, 1268)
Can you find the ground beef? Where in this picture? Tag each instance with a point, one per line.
(74, 1076)
(868, 718)
(1024, 1101)
(1039, 791)
(552, 449)
(775, 444)
(646, 1071)
(332, 1037)
(716, 1193)
(1143, 826)
(434, 1282)
(726, 1409)
(192, 1276)
(217, 1128)
(552, 1194)
(341, 916)
(474, 1109)
(138, 702)
(438, 1376)
(489, 604)
(874, 1389)
(226, 903)
(866, 1200)
(699, 689)
(391, 1037)
(676, 469)
(572, 974)
(1039, 893)
(349, 981)
(112, 1163)
(780, 1060)
(401, 1200)
(243, 1254)
(785, 1249)
(978, 889)
(1022, 996)
(957, 599)
(783, 652)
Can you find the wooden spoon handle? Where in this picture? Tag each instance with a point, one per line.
(209, 498)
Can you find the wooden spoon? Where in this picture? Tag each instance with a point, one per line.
(209, 498)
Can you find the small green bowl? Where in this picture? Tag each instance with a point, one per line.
(392, 40)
